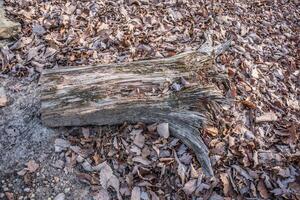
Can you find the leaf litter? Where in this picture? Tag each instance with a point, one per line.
(254, 143)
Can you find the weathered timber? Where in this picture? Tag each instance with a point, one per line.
(160, 90)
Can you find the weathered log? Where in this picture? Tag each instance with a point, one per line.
(172, 90)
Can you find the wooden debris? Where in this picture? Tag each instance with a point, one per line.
(134, 92)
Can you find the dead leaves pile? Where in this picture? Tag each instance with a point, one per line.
(137, 162)
(88, 32)
(254, 143)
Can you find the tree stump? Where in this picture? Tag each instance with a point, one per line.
(176, 90)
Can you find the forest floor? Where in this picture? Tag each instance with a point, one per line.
(254, 143)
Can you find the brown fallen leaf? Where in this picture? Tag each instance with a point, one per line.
(32, 166)
(32, 52)
(142, 160)
(248, 104)
(263, 190)
(102, 194)
(22, 172)
(213, 131)
(181, 169)
(266, 117)
(190, 186)
(231, 141)
(9, 195)
(85, 178)
(268, 156)
(194, 172)
(242, 172)
(96, 158)
(135, 194)
(139, 140)
(226, 183)
(108, 179)
(153, 195)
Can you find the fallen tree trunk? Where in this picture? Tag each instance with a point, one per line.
(168, 90)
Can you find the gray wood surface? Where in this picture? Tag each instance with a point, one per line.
(161, 90)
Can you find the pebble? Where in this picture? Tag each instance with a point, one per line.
(59, 164)
(67, 190)
(60, 196)
(26, 189)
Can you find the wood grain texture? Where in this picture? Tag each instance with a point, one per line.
(160, 90)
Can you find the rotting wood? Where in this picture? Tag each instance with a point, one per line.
(161, 90)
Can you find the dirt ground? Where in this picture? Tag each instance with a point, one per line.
(24, 138)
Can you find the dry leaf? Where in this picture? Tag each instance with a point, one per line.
(96, 158)
(190, 186)
(248, 104)
(181, 169)
(139, 140)
(181, 172)
(266, 117)
(9, 195)
(103, 26)
(135, 194)
(32, 166)
(242, 172)
(108, 179)
(211, 130)
(38, 29)
(194, 173)
(142, 160)
(263, 190)
(102, 194)
(163, 130)
(153, 195)
(226, 183)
